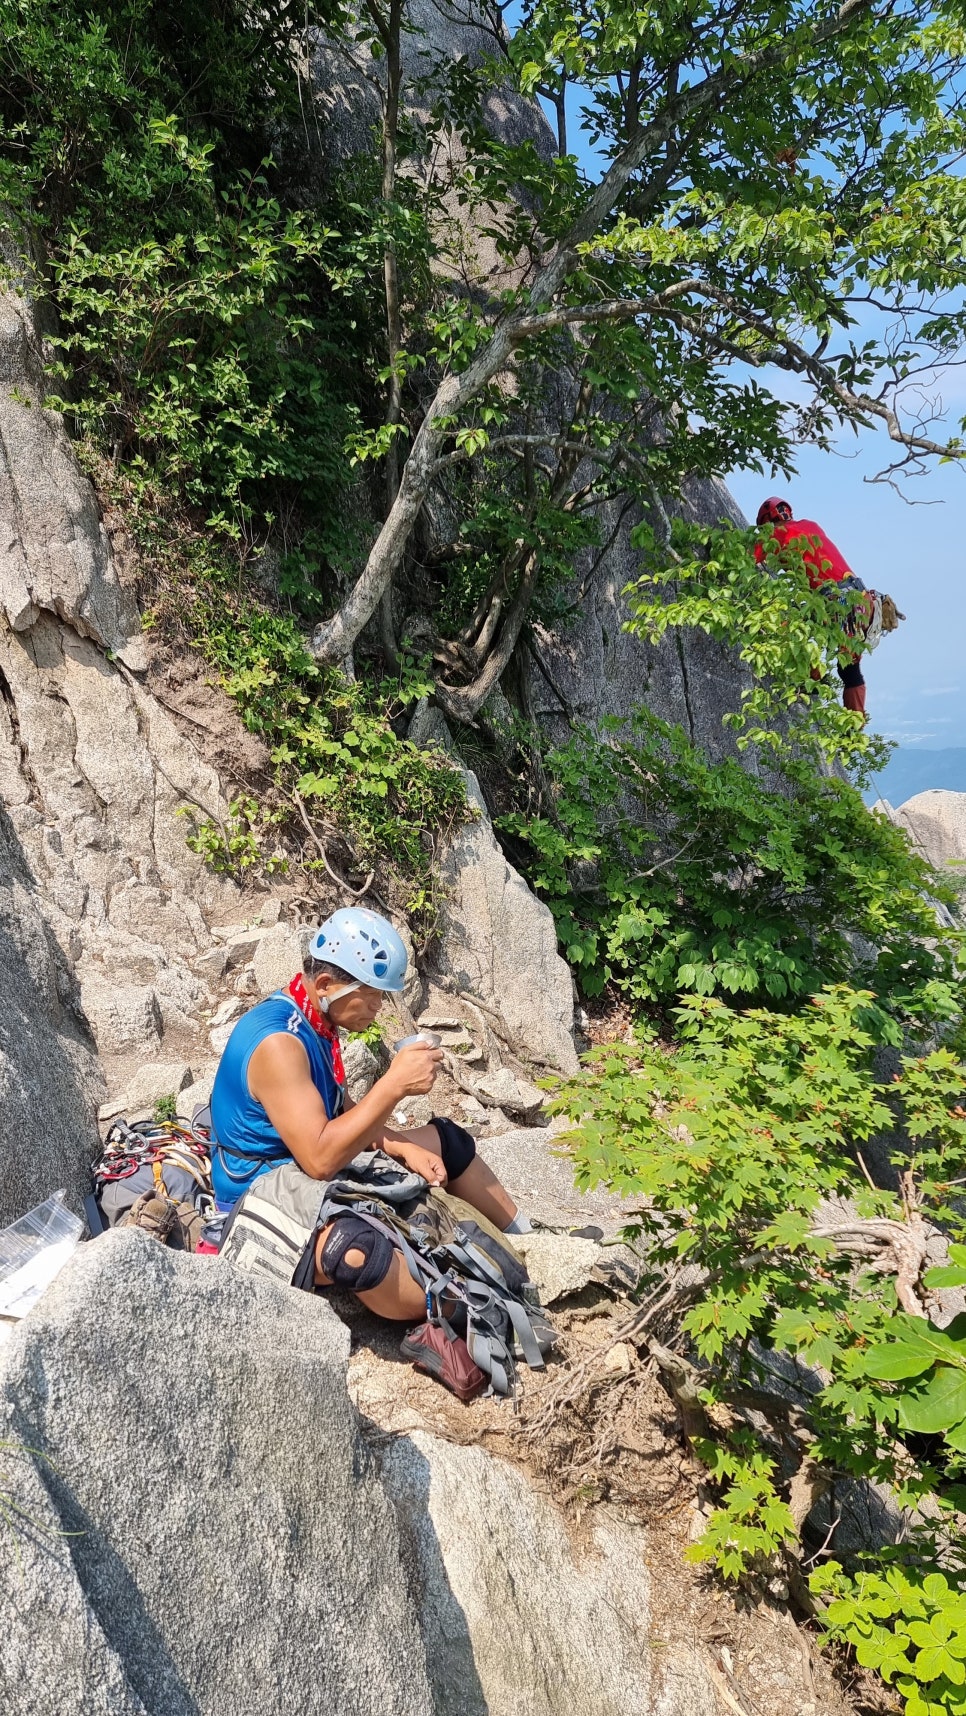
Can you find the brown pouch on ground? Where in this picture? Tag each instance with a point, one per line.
(442, 1353)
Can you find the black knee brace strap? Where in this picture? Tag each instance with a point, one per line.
(350, 1233)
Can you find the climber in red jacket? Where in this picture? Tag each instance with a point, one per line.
(824, 565)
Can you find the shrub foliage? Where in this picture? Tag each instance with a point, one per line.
(805, 1294)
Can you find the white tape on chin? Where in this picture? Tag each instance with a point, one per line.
(347, 990)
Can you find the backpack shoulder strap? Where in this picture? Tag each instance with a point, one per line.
(459, 1211)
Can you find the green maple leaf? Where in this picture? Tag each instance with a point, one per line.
(941, 1406)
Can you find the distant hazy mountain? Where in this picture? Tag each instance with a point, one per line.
(909, 772)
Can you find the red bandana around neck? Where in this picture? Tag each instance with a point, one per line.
(319, 1023)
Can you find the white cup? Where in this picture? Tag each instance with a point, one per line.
(428, 1037)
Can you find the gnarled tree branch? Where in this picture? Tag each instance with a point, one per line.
(669, 130)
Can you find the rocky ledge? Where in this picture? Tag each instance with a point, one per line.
(207, 1529)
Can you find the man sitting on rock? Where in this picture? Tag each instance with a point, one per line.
(280, 1093)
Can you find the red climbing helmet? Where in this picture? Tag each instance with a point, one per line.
(773, 510)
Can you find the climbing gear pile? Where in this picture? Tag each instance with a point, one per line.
(870, 618)
(476, 1287)
(156, 1176)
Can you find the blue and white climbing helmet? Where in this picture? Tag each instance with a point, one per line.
(364, 945)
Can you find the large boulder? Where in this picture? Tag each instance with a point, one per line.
(215, 1540)
(227, 1549)
(201, 1524)
(498, 944)
(50, 1084)
(937, 824)
(538, 1174)
(518, 1618)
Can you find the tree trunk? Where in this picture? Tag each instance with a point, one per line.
(390, 129)
(463, 704)
(333, 639)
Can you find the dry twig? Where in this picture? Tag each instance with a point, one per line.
(340, 881)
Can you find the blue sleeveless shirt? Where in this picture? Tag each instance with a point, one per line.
(245, 1144)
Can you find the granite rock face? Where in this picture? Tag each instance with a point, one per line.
(937, 823)
(349, 108)
(98, 781)
(277, 958)
(95, 776)
(498, 943)
(594, 668)
(54, 552)
(50, 1083)
(234, 1551)
(516, 1620)
(536, 1172)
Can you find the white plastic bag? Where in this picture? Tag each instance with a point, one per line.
(33, 1250)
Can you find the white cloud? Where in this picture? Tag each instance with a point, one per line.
(930, 730)
(912, 732)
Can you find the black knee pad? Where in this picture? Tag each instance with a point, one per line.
(351, 1233)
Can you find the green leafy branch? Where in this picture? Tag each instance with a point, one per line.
(743, 1143)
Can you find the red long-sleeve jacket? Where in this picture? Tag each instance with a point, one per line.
(823, 563)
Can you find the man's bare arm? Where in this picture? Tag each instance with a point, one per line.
(279, 1078)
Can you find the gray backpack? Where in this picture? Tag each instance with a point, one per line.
(450, 1249)
(156, 1176)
